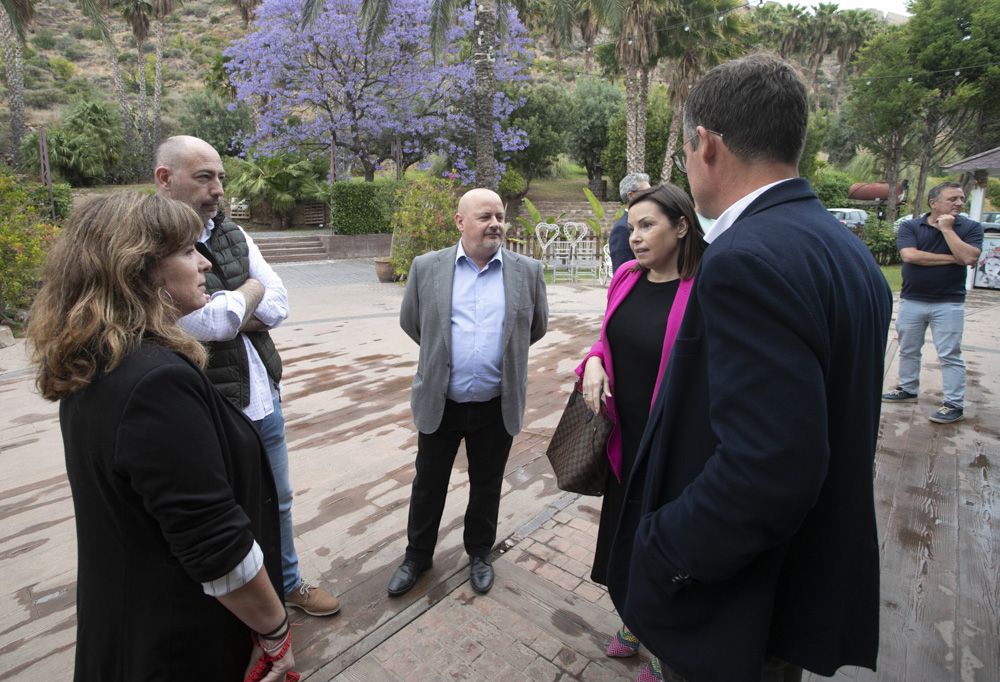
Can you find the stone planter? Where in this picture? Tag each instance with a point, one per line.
(384, 271)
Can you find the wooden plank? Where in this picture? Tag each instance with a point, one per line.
(977, 626)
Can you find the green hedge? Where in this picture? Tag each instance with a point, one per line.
(362, 207)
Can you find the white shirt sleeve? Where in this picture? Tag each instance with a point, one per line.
(239, 576)
(273, 307)
(219, 320)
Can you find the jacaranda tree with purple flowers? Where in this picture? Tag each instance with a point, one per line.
(320, 89)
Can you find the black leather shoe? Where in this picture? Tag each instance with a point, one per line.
(405, 577)
(480, 574)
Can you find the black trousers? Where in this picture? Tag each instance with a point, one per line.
(487, 445)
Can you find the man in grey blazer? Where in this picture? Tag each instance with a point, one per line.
(474, 309)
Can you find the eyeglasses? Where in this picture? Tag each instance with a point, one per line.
(680, 157)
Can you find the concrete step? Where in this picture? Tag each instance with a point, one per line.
(296, 258)
(292, 249)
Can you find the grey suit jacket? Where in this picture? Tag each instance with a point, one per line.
(425, 316)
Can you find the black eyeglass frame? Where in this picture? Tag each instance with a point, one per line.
(680, 157)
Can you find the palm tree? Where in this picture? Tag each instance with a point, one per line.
(16, 17)
(589, 24)
(161, 8)
(856, 27)
(636, 50)
(823, 31)
(137, 14)
(706, 41)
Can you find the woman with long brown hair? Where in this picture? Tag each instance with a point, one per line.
(646, 302)
(177, 527)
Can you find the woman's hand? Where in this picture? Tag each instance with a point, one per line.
(278, 670)
(596, 386)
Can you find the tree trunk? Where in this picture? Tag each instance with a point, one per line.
(128, 116)
(634, 156)
(161, 32)
(891, 174)
(927, 140)
(640, 120)
(14, 66)
(143, 113)
(672, 135)
(484, 54)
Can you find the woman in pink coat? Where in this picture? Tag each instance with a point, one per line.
(646, 302)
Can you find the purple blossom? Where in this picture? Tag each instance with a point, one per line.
(318, 86)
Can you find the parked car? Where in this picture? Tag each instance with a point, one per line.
(991, 217)
(991, 227)
(853, 219)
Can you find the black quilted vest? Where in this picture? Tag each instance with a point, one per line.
(228, 366)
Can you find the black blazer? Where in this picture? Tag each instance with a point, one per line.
(171, 487)
(749, 524)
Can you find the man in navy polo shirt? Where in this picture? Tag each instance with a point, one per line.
(935, 248)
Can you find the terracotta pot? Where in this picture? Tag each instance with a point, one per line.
(384, 271)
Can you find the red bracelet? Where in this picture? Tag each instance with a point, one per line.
(264, 663)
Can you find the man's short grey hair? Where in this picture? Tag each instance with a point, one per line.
(936, 190)
(758, 104)
(630, 183)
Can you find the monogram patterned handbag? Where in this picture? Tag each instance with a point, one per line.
(578, 450)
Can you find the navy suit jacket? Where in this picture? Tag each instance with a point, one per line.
(621, 252)
(749, 522)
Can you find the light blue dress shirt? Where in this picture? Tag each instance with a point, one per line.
(477, 314)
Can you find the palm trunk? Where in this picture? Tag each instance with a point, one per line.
(672, 135)
(143, 113)
(14, 66)
(640, 120)
(634, 157)
(161, 32)
(128, 116)
(485, 90)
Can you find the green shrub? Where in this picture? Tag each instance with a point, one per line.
(832, 187)
(44, 39)
(92, 33)
(24, 241)
(62, 198)
(423, 221)
(513, 186)
(362, 207)
(62, 68)
(86, 149)
(881, 241)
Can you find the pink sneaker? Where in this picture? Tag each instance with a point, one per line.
(651, 672)
(623, 644)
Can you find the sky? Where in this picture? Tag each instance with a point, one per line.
(897, 6)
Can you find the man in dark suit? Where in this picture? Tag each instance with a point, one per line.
(474, 308)
(621, 252)
(747, 549)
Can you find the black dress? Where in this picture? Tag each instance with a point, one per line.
(635, 336)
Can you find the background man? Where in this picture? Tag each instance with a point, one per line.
(474, 308)
(750, 551)
(618, 238)
(247, 299)
(935, 249)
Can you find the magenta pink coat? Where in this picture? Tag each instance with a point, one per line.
(621, 284)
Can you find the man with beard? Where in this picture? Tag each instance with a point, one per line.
(473, 308)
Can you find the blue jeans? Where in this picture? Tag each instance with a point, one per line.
(946, 321)
(272, 433)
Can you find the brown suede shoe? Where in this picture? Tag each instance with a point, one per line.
(313, 600)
